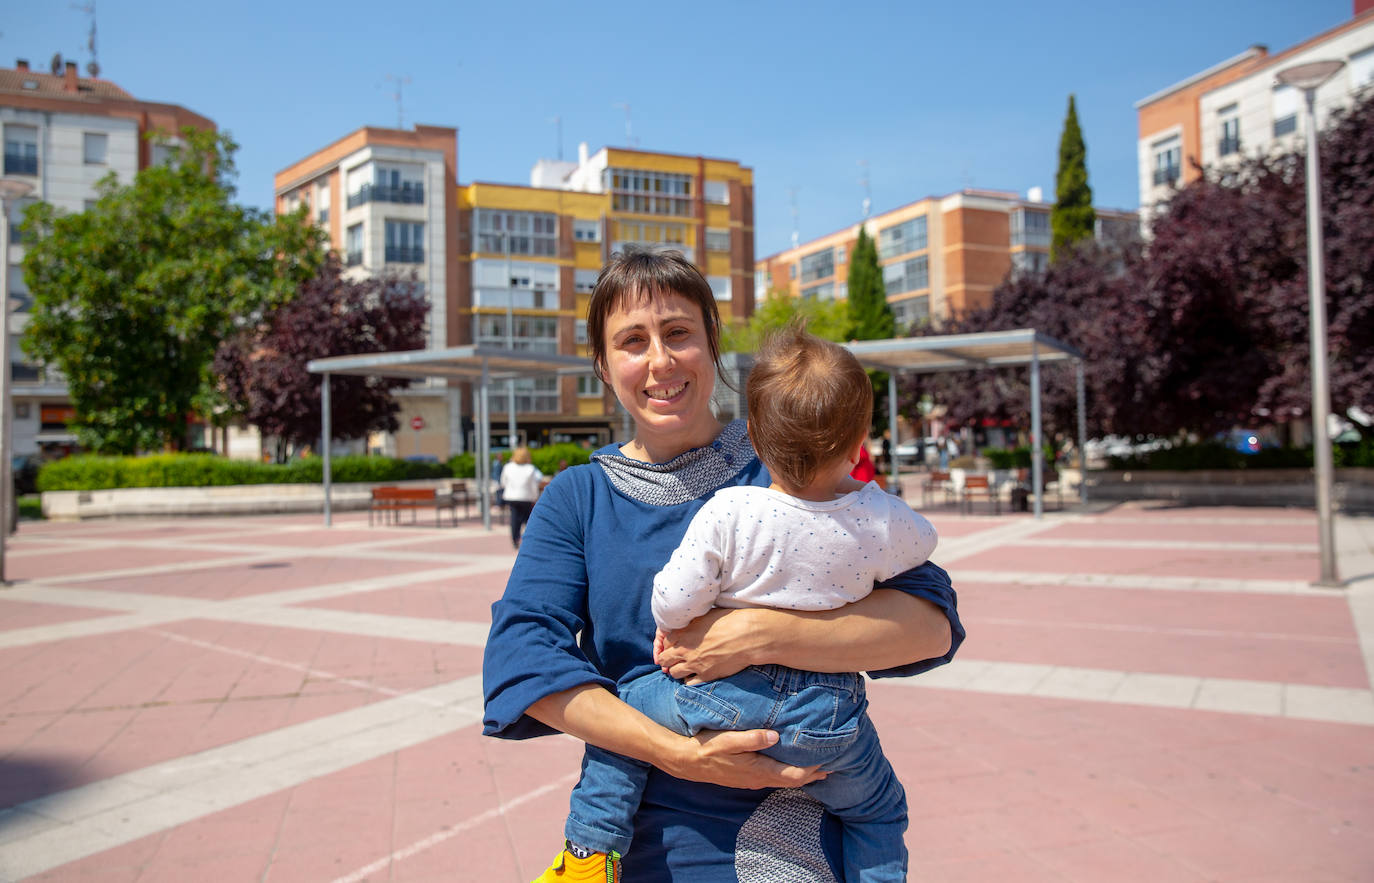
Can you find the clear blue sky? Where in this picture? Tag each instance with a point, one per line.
(934, 96)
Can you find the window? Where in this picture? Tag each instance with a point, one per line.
(95, 148)
(502, 232)
(652, 193)
(17, 208)
(911, 274)
(905, 237)
(717, 192)
(162, 153)
(1023, 262)
(1229, 119)
(823, 291)
(912, 311)
(666, 234)
(1286, 100)
(720, 286)
(584, 281)
(791, 271)
(717, 240)
(1168, 157)
(580, 332)
(353, 245)
(21, 150)
(322, 202)
(818, 265)
(405, 242)
(588, 386)
(1362, 69)
(841, 254)
(586, 231)
(1030, 227)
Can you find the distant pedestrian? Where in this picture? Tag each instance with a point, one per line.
(521, 481)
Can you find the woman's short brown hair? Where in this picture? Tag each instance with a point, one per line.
(640, 275)
(810, 402)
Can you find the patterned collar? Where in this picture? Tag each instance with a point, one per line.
(688, 476)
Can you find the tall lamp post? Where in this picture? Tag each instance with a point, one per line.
(510, 342)
(10, 190)
(1308, 77)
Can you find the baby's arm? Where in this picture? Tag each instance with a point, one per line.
(912, 539)
(689, 583)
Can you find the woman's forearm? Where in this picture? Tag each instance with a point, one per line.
(884, 630)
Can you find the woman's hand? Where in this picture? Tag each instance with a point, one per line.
(731, 759)
(715, 645)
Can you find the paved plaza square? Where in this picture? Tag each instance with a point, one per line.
(1146, 693)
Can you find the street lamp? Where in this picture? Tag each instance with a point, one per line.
(1308, 77)
(10, 190)
(510, 341)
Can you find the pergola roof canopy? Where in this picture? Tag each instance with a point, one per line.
(961, 352)
(453, 363)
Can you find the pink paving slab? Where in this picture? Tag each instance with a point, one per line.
(1190, 531)
(70, 562)
(305, 537)
(1299, 639)
(1044, 556)
(28, 614)
(103, 705)
(260, 577)
(466, 598)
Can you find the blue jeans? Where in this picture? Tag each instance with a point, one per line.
(819, 718)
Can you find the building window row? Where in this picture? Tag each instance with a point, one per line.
(902, 238)
(912, 274)
(1030, 227)
(534, 333)
(652, 193)
(379, 182)
(717, 240)
(509, 232)
(589, 387)
(586, 231)
(822, 291)
(912, 311)
(818, 265)
(1168, 161)
(675, 235)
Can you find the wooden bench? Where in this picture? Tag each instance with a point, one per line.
(388, 502)
(979, 485)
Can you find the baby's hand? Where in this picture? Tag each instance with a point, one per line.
(660, 641)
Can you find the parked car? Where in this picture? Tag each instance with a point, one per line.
(24, 468)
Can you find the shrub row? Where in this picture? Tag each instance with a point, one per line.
(1213, 455)
(91, 473)
(547, 459)
(1015, 458)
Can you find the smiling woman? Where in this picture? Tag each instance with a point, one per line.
(575, 622)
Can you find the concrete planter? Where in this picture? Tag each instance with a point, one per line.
(1353, 489)
(229, 500)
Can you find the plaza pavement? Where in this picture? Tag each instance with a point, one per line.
(1146, 693)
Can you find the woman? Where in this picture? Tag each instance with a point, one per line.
(520, 483)
(576, 618)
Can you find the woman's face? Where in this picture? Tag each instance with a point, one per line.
(658, 362)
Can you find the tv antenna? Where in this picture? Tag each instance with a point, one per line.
(401, 82)
(796, 232)
(868, 191)
(629, 136)
(92, 66)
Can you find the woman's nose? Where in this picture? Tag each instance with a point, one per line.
(659, 354)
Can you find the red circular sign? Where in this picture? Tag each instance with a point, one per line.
(417, 423)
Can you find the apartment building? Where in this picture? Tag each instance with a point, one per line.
(63, 133)
(1237, 107)
(942, 256)
(514, 265)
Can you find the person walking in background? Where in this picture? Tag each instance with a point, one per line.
(520, 484)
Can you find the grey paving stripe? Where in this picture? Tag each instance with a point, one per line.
(1138, 581)
(67, 826)
(1202, 545)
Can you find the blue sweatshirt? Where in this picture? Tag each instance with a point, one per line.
(577, 611)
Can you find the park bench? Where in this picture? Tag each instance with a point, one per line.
(389, 502)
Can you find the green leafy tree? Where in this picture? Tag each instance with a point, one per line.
(824, 318)
(870, 317)
(132, 297)
(1072, 219)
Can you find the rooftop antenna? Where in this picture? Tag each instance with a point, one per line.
(92, 66)
(401, 82)
(796, 232)
(629, 137)
(558, 122)
(868, 191)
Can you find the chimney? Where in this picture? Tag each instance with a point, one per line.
(69, 80)
(22, 64)
(582, 153)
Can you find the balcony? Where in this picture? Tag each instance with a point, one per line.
(1228, 146)
(1167, 175)
(401, 254)
(20, 164)
(409, 193)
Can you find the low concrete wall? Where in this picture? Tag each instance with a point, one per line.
(1353, 489)
(243, 499)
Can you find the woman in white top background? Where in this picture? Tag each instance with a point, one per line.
(520, 484)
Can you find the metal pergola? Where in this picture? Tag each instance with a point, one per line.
(967, 352)
(479, 365)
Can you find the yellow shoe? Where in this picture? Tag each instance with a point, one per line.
(598, 867)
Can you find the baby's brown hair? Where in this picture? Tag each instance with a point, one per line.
(810, 402)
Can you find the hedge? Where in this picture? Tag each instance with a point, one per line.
(546, 459)
(1214, 455)
(91, 473)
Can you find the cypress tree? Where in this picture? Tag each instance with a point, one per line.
(870, 317)
(1072, 218)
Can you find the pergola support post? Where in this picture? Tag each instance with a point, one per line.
(326, 430)
(1082, 435)
(1037, 449)
(892, 430)
(483, 433)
